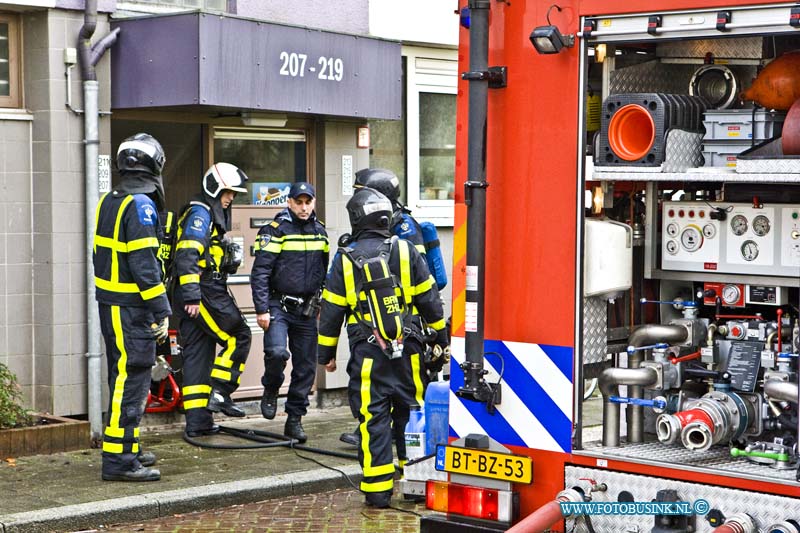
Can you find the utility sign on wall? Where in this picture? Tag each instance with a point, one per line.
(347, 175)
(103, 173)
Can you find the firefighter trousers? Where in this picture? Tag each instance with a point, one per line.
(381, 392)
(220, 323)
(130, 353)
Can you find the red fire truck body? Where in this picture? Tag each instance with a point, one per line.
(574, 202)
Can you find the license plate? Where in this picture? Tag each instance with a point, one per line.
(483, 463)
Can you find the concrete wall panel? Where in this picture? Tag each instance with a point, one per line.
(351, 16)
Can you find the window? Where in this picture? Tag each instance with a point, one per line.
(9, 61)
(272, 160)
(420, 148)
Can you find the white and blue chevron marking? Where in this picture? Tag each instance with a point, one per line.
(537, 396)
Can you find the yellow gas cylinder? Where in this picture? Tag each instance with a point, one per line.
(778, 85)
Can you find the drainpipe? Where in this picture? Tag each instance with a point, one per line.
(89, 56)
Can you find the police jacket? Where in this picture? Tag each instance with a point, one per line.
(199, 251)
(406, 227)
(127, 271)
(339, 299)
(291, 258)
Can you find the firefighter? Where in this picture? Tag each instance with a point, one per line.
(132, 300)
(286, 279)
(406, 227)
(208, 314)
(382, 387)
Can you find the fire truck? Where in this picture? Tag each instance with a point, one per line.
(627, 217)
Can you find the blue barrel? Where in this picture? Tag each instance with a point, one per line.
(437, 422)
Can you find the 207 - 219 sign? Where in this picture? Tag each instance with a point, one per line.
(483, 463)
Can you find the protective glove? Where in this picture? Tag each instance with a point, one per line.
(160, 330)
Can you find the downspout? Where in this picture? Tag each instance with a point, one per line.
(475, 387)
(89, 56)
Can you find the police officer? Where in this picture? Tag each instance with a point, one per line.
(381, 389)
(287, 275)
(406, 227)
(132, 300)
(208, 313)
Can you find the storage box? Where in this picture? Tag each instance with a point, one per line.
(723, 153)
(767, 158)
(742, 124)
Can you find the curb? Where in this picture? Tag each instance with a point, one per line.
(167, 503)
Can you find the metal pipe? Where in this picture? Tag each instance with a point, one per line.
(475, 199)
(609, 381)
(781, 390)
(643, 336)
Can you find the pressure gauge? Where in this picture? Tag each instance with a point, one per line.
(749, 250)
(672, 229)
(672, 247)
(709, 231)
(691, 238)
(739, 225)
(731, 294)
(761, 225)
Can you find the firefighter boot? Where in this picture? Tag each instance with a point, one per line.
(353, 439)
(147, 459)
(142, 474)
(219, 401)
(294, 429)
(269, 404)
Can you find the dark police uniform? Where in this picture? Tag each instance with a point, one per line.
(199, 254)
(380, 390)
(131, 297)
(291, 260)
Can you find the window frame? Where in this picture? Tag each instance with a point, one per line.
(440, 212)
(14, 99)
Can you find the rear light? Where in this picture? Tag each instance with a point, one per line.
(467, 500)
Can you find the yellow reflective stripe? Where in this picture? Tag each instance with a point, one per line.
(379, 470)
(189, 278)
(324, 340)
(421, 248)
(334, 298)
(97, 218)
(438, 325)
(419, 390)
(108, 242)
(220, 374)
(224, 363)
(352, 319)
(112, 447)
(196, 389)
(190, 244)
(380, 486)
(273, 247)
(294, 246)
(402, 462)
(366, 369)
(114, 258)
(117, 433)
(135, 448)
(115, 286)
(152, 292)
(138, 244)
(122, 372)
(195, 404)
(423, 287)
(136, 432)
(349, 282)
(405, 271)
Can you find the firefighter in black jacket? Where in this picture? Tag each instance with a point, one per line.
(132, 300)
(382, 385)
(208, 313)
(287, 275)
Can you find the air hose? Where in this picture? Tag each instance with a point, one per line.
(262, 439)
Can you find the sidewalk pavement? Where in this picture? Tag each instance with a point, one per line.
(64, 492)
